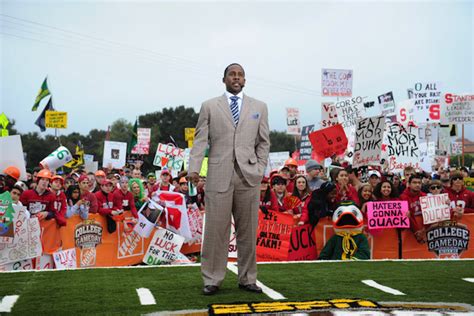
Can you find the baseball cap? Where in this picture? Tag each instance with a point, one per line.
(374, 173)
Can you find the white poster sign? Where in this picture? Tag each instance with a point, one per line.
(368, 141)
(276, 160)
(164, 247)
(143, 142)
(336, 82)
(293, 121)
(435, 208)
(115, 154)
(11, 151)
(328, 114)
(402, 147)
(427, 155)
(169, 157)
(65, 259)
(387, 104)
(426, 100)
(404, 110)
(457, 109)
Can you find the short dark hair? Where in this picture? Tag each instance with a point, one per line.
(233, 64)
(415, 176)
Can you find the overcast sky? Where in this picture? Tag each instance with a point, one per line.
(107, 60)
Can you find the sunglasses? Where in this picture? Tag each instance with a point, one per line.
(457, 178)
(435, 187)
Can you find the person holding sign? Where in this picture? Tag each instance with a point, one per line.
(235, 127)
(462, 200)
(412, 195)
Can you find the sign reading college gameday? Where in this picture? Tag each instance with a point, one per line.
(448, 240)
(169, 157)
(56, 119)
(163, 248)
(435, 208)
(143, 142)
(305, 145)
(457, 109)
(336, 82)
(293, 121)
(387, 214)
(328, 114)
(368, 141)
(328, 141)
(426, 97)
(402, 147)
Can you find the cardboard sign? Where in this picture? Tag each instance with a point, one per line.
(387, 214)
(387, 105)
(56, 159)
(435, 208)
(368, 141)
(7, 218)
(336, 82)
(65, 259)
(302, 244)
(277, 159)
(143, 142)
(405, 110)
(273, 236)
(169, 157)
(148, 214)
(328, 114)
(115, 154)
(458, 109)
(305, 145)
(293, 121)
(56, 119)
(426, 101)
(176, 212)
(163, 248)
(328, 141)
(195, 224)
(371, 108)
(233, 251)
(427, 155)
(349, 111)
(402, 147)
(11, 151)
(448, 241)
(189, 133)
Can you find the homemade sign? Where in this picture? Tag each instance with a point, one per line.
(336, 82)
(56, 159)
(328, 114)
(147, 217)
(457, 109)
(328, 141)
(176, 212)
(349, 111)
(65, 259)
(387, 105)
(426, 100)
(427, 153)
(402, 147)
(435, 208)
(404, 110)
(387, 214)
(163, 248)
(56, 119)
(277, 159)
(372, 108)
(12, 154)
(143, 142)
(195, 223)
(469, 183)
(293, 121)
(305, 145)
(273, 236)
(169, 157)
(368, 141)
(114, 154)
(302, 244)
(7, 218)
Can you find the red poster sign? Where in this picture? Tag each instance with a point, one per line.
(273, 236)
(329, 141)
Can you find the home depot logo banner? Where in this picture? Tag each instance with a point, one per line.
(87, 236)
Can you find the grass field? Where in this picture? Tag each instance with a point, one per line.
(113, 291)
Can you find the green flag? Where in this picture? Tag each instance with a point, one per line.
(134, 139)
(43, 92)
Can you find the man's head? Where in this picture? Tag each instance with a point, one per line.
(106, 186)
(234, 78)
(408, 171)
(57, 183)
(414, 182)
(124, 183)
(313, 168)
(136, 173)
(151, 178)
(100, 176)
(374, 178)
(165, 177)
(84, 183)
(292, 166)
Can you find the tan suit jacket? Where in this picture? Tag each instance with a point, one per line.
(246, 144)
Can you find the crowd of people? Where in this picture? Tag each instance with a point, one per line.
(307, 196)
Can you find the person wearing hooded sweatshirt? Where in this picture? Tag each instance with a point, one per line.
(321, 204)
(462, 200)
(123, 198)
(76, 205)
(412, 195)
(106, 205)
(60, 202)
(40, 201)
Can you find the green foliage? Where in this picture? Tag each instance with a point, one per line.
(456, 161)
(281, 141)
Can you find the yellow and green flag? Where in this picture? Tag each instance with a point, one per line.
(42, 93)
(77, 158)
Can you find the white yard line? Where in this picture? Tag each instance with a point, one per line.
(145, 296)
(7, 303)
(381, 287)
(469, 280)
(274, 295)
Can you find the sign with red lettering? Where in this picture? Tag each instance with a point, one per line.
(302, 244)
(368, 141)
(143, 142)
(387, 214)
(273, 236)
(402, 147)
(328, 114)
(435, 208)
(457, 108)
(328, 141)
(293, 121)
(169, 157)
(164, 247)
(336, 82)
(65, 259)
(426, 100)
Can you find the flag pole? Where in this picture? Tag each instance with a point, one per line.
(462, 146)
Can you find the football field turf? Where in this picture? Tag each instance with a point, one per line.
(114, 291)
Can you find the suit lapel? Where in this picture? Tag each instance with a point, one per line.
(224, 105)
(245, 110)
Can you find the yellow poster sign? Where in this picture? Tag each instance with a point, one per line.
(56, 119)
(189, 133)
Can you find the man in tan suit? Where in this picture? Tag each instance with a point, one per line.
(235, 127)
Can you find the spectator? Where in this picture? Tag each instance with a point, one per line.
(364, 195)
(184, 189)
(435, 187)
(302, 192)
(16, 192)
(136, 174)
(464, 171)
(397, 183)
(313, 170)
(106, 205)
(89, 199)
(40, 201)
(412, 194)
(462, 200)
(386, 191)
(139, 197)
(292, 166)
(99, 177)
(12, 175)
(93, 187)
(60, 201)
(374, 178)
(68, 181)
(75, 205)
(321, 204)
(152, 186)
(265, 195)
(123, 198)
(165, 184)
(425, 182)
(353, 174)
(278, 194)
(345, 191)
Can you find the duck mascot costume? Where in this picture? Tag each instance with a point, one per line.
(349, 243)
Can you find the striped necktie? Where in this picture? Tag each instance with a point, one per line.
(234, 108)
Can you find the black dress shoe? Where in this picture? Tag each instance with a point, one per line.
(210, 289)
(251, 288)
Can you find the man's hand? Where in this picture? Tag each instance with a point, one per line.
(41, 215)
(193, 177)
